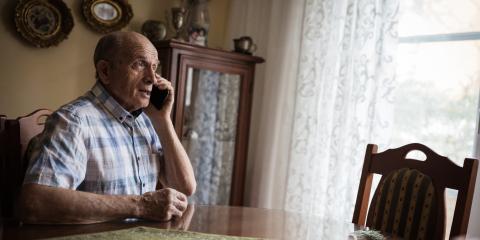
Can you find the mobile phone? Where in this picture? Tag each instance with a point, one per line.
(158, 97)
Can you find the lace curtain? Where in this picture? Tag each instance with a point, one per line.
(344, 76)
(210, 130)
(343, 101)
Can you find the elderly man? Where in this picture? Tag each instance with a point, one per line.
(109, 154)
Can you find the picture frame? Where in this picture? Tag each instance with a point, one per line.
(106, 16)
(43, 23)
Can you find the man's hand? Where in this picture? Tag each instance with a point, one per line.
(164, 112)
(163, 205)
(183, 223)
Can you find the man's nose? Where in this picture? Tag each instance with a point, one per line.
(150, 75)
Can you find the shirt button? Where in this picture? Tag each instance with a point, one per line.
(138, 159)
(143, 184)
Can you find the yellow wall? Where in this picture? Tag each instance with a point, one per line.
(32, 78)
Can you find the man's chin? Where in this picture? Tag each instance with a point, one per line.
(140, 105)
(144, 104)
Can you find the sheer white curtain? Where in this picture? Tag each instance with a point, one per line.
(275, 26)
(322, 95)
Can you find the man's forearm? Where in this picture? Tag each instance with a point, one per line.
(178, 169)
(44, 204)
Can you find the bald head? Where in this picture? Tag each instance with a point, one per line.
(113, 45)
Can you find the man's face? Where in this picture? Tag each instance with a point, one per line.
(132, 74)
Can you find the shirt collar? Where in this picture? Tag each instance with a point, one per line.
(112, 105)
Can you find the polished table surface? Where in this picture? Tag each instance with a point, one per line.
(235, 221)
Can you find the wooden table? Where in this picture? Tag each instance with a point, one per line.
(235, 221)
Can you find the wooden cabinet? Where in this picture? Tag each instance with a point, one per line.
(212, 115)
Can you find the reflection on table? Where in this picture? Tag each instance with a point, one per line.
(224, 220)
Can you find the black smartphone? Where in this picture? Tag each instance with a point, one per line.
(157, 96)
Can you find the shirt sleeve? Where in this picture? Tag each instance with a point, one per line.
(57, 156)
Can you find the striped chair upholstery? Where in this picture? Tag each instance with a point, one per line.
(403, 203)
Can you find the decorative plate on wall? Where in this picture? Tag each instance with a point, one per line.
(107, 15)
(43, 23)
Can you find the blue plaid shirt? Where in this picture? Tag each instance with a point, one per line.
(93, 144)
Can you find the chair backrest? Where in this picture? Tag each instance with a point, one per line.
(15, 135)
(3, 118)
(409, 201)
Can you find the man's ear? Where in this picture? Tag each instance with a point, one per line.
(103, 71)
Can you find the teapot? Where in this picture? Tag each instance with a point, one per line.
(244, 45)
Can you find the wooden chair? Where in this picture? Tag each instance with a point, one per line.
(14, 137)
(409, 201)
(3, 118)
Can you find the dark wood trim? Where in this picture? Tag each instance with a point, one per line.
(12, 168)
(465, 198)
(364, 189)
(210, 53)
(243, 130)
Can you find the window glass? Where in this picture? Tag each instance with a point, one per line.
(437, 96)
(424, 17)
(438, 80)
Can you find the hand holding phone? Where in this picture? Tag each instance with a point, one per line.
(158, 97)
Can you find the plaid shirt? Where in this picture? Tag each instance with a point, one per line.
(93, 144)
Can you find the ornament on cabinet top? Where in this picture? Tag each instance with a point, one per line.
(244, 45)
(198, 22)
(154, 30)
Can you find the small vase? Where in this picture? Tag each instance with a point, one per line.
(154, 30)
(199, 22)
(179, 16)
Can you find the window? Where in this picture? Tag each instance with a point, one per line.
(438, 78)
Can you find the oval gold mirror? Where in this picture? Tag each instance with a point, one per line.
(107, 15)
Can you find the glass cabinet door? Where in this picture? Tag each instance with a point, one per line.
(210, 116)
